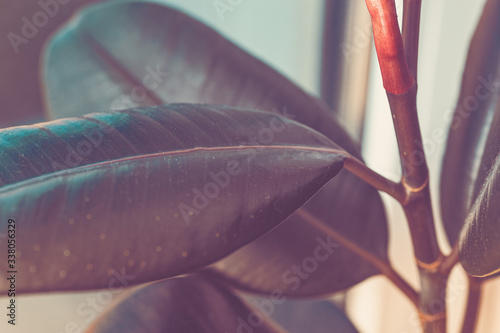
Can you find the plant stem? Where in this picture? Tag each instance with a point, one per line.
(432, 307)
(384, 267)
(415, 179)
(405, 119)
(389, 45)
(401, 90)
(473, 301)
(411, 32)
(359, 169)
(450, 261)
(418, 210)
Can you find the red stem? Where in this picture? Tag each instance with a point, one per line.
(389, 44)
(401, 90)
(359, 169)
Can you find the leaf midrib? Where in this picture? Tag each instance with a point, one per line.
(103, 164)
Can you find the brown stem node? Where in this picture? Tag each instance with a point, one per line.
(431, 267)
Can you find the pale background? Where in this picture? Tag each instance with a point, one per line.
(287, 35)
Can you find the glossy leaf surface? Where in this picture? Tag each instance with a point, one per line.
(160, 191)
(480, 239)
(192, 305)
(105, 56)
(468, 157)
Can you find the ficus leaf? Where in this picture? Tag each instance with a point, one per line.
(480, 239)
(490, 151)
(299, 259)
(26, 25)
(120, 55)
(192, 305)
(151, 193)
(469, 153)
(110, 53)
(345, 60)
(303, 315)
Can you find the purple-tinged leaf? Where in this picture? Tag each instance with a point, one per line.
(151, 193)
(347, 38)
(304, 315)
(469, 154)
(25, 26)
(121, 55)
(480, 239)
(107, 55)
(186, 304)
(490, 152)
(300, 259)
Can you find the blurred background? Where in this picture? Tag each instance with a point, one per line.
(287, 34)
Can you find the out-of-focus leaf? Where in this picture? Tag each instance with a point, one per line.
(185, 304)
(346, 49)
(151, 193)
(480, 239)
(106, 56)
(468, 158)
(25, 25)
(303, 316)
(119, 55)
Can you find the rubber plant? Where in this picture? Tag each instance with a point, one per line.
(221, 192)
